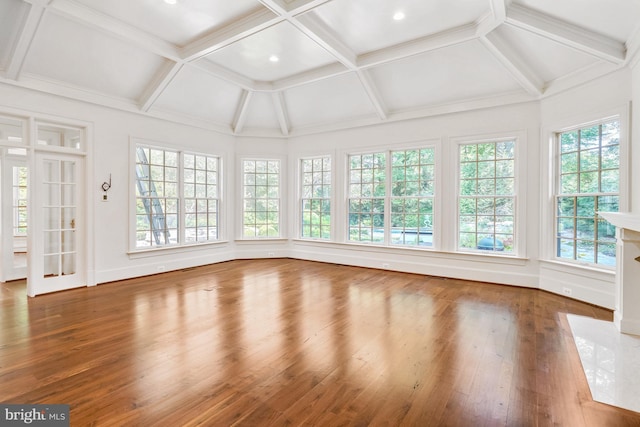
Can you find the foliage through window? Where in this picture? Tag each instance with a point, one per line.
(316, 197)
(19, 200)
(408, 203)
(367, 175)
(261, 190)
(589, 181)
(486, 200)
(200, 198)
(412, 191)
(170, 205)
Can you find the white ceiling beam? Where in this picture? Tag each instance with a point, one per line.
(446, 38)
(159, 84)
(314, 29)
(633, 48)
(229, 34)
(560, 31)
(107, 24)
(317, 31)
(317, 74)
(514, 63)
(373, 93)
(281, 112)
(301, 6)
(578, 78)
(22, 45)
(225, 74)
(493, 19)
(241, 112)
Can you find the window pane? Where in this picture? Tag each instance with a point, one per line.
(487, 222)
(582, 235)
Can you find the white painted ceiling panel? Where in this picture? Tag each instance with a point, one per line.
(341, 63)
(366, 25)
(613, 18)
(250, 56)
(261, 112)
(456, 74)
(196, 93)
(337, 99)
(178, 23)
(547, 59)
(12, 13)
(72, 53)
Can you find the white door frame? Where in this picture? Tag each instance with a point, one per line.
(37, 281)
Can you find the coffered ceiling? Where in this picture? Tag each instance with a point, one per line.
(289, 67)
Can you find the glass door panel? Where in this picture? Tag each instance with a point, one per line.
(57, 245)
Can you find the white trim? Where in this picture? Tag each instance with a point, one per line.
(282, 196)
(549, 174)
(520, 188)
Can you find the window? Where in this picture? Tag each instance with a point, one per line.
(408, 203)
(412, 190)
(261, 207)
(589, 181)
(367, 177)
(176, 195)
(19, 200)
(316, 197)
(486, 199)
(200, 198)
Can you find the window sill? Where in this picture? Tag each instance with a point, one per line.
(468, 256)
(145, 253)
(587, 270)
(261, 240)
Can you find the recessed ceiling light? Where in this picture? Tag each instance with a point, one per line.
(398, 16)
(171, 1)
(274, 58)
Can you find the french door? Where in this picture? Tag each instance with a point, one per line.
(57, 260)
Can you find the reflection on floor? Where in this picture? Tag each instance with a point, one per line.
(610, 359)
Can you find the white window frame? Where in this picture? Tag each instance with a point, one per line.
(282, 205)
(434, 144)
(519, 195)
(556, 191)
(330, 199)
(550, 178)
(181, 243)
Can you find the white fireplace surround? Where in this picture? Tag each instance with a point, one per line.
(627, 300)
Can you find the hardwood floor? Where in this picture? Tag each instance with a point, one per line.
(284, 342)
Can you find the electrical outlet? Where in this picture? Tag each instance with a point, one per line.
(161, 268)
(386, 265)
(271, 254)
(566, 291)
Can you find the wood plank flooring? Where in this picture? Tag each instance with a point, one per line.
(282, 342)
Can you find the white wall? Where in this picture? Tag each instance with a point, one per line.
(635, 138)
(603, 97)
(113, 129)
(522, 119)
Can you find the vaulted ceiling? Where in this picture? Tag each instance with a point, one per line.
(288, 67)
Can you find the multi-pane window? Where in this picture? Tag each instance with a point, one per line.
(391, 197)
(412, 190)
(175, 193)
(316, 197)
(200, 198)
(261, 197)
(486, 199)
(589, 181)
(157, 197)
(19, 200)
(367, 178)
